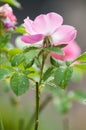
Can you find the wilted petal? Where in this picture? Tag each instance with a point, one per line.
(47, 24)
(32, 38)
(64, 34)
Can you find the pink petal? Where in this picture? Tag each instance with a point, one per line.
(47, 24)
(8, 13)
(28, 25)
(32, 38)
(72, 51)
(64, 34)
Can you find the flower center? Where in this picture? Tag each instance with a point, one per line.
(47, 41)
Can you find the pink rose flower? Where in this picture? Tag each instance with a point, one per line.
(49, 25)
(8, 17)
(72, 51)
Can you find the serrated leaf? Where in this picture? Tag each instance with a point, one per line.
(4, 73)
(30, 56)
(48, 73)
(80, 66)
(63, 76)
(12, 2)
(17, 59)
(20, 29)
(55, 62)
(19, 83)
(81, 58)
(55, 49)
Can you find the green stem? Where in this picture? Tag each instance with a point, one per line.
(42, 106)
(38, 93)
(41, 73)
(37, 107)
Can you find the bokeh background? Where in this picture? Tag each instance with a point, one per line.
(74, 13)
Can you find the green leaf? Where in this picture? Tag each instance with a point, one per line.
(48, 73)
(17, 59)
(12, 2)
(37, 62)
(80, 66)
(63, 76)
(14, 51)
(28, 64)
(20, 29)
(55, 62)
(4, 73)
(30, 56)
(55, 49)
(81, 58)
(33, 48)
(4, 40)
(19, 83)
